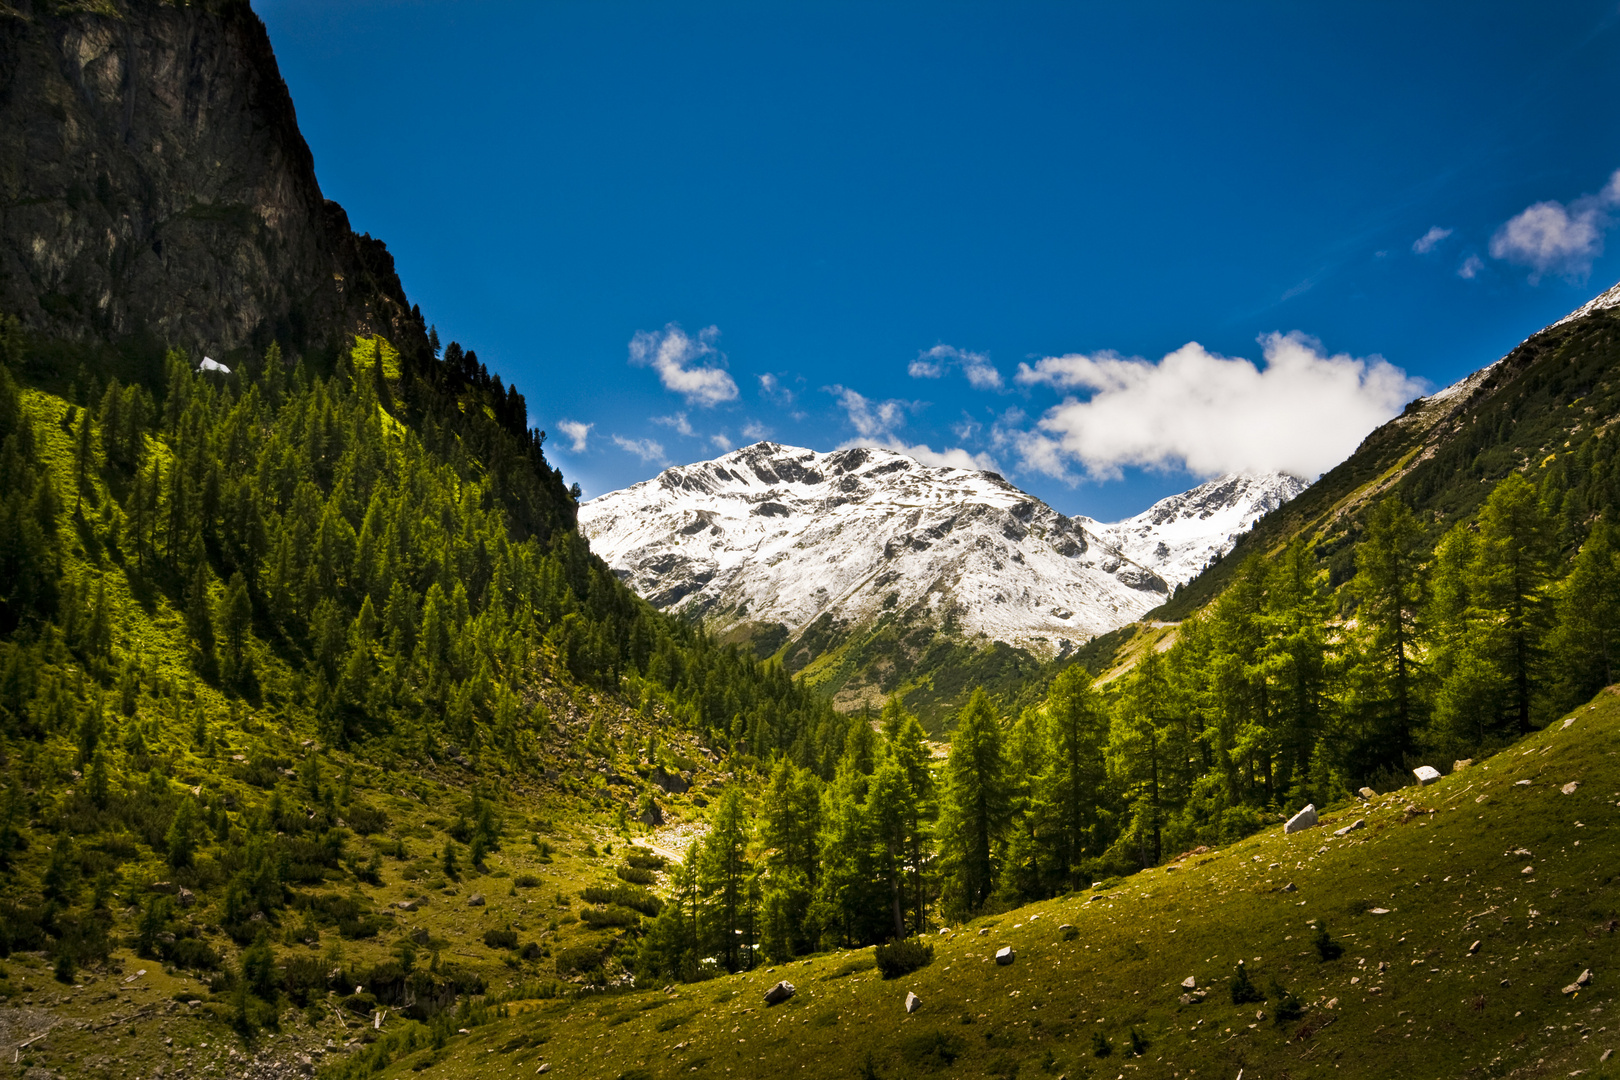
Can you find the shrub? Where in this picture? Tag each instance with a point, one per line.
(1326, 947)
(1139, 1043)
(501, 939)
(365, 819)
(1243, 990)
(624, 896)
(646, 860)
(1100, 1046)
(525, 881)
(531, 951)
(1289, 1007)
(580, 958)
(903, 957)
(636, 875)
(613, 915)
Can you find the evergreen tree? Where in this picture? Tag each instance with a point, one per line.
(1391, 590)
(975, 808)
(724, 873)
(1511, 573)
(1587, 636)
(1073, 783)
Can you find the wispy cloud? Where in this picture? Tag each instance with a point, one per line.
(771, 388)
(1552, 238)
(1430, 240)
(876, 424)
(756, 431)
(645, 449)
(677, 421)
(577, 434)
(722, 440)
(1470, 268)
(676, 357)
(931, 364)
(1303, 412)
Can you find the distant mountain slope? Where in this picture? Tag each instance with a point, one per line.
(809, 554)
(1178, 536)
(781, 536)
(1534, 408)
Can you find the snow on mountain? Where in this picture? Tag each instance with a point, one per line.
(1177, 537)
(777, 537)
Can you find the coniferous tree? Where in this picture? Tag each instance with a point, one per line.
(724, 873)
(1391, 590)
(975, 807)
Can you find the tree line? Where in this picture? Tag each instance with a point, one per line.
(1285, 691)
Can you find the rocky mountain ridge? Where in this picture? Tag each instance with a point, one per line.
(768, 541)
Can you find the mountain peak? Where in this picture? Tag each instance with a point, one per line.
(769, 541)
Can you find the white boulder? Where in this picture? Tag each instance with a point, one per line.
(1303, 820)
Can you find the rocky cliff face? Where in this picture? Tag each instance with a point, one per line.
(153, 182)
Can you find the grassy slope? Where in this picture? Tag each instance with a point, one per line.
(1447, 878)
(101, 1024)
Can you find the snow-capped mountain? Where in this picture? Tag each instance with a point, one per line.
(775, 538)
(1178, 536)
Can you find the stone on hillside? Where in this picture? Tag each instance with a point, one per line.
(187, 897)
(779, 993)
(1190, 982)
(1521, 783)
(1461, 764)
(1379, 911)
(1368, 793)
(653, 816)
(671, 783)
(1426, 774)
(1572, 988)
(1607, 1054)
(1290, 887)
(1584, 977)
(1301, 821)
(475, 900)
(1359, 823)
(1069, 931)
(1569, 788)
(405, 905)
(1474, 948)
(1005, 955)
(913, 1003)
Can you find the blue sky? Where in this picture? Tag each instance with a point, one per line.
(989, 230)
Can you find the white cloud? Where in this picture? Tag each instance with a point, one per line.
(876, 421)
(577, 434)
(1302, 413)
(931, 364)
(1471, 267)
(1551, 238)
(645, 449)
(756, 431)
(722, 440)
(674, 355)
(771, 388)
(678, 422)
(1430, 240)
